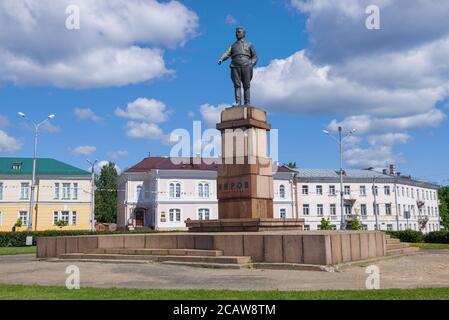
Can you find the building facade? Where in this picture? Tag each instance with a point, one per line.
(159, 194)
(62, 195)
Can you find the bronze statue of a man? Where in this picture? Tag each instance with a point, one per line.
(244, 58)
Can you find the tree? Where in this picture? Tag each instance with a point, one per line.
(325, 224)
(356, 225)
(443, 195)
(106, 194)
(291, 165)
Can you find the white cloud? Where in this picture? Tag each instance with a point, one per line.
(389, 139)
(381, 82)
(118, 42)
(230, 20)
(144, 109)
(83, 150)
(4, 121)
(86, 114)
(119, 154)
(9, 144)
(51, 128)
(143, 130)
(211, 114)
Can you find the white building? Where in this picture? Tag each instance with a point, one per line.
(159, 194)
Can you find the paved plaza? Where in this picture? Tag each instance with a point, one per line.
(427, 269)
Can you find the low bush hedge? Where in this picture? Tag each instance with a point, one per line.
(407, 235)
(437, 237)
(18, 239)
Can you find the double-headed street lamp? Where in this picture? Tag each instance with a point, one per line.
(339, 141)
(33, 181)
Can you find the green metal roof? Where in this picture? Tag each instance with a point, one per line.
(44, 166)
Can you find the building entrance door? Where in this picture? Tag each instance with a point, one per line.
(140, 217)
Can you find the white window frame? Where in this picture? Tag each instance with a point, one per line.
(63, 212)
(332, 190)
(203, 188)
(282, 191)
(282, 213)
(175, 210)
(333, 209)
(305, 190)
(202, 214)
(363, 191)
(57, 216)
(57, 191)
(363, 209)
(66, 191)
(320, 210)
(74, 218)
(75, 191)
(140, 192)
(175, 188)
(319, 190)
(304, 207)
(27, 217)
(24, 191)
(347, 190)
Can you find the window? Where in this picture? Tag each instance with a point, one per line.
(319, 210)
(413, 193)
(319, 190)
(363, 209)
(175, 190)
(16, 166)
(23, 215)
(1, 191)
(376, 190)
(305, 209)
(24, 191)
(203, 190)
(65, 216)
(362, 190)
(333, 210)
(74, 218)
(203, 214)
(388, 209)
(55, 217)
(282, 191)
(56, 191)
(332, 190)
(389, 227)
(387, 190)
(305, 190)
(408, 193)
(348, 209)
(174, 215)
(140, 193)
(347, 190)
(75, 191)
(403, 191)
(66, 191)
(283, 213)
(306, 227)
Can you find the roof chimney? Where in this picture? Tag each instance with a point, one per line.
(384, 171)
(392, 169)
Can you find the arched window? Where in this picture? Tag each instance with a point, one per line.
(203, 214)
(203, 190)
(282, 191)
(174, 215)
(175, 190)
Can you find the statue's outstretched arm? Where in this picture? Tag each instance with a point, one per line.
(225, 55)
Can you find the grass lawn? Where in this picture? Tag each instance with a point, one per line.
(9, 251)
(430, 245)
(21, 292)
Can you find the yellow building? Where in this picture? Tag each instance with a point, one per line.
(62, 195)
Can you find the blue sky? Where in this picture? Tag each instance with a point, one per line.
(325, 74)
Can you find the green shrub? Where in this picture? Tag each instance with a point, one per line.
(437, 237)
(325, 224)
(355, 225)
(407, 235)
(18, 239)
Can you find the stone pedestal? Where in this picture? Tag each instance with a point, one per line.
(245, 181)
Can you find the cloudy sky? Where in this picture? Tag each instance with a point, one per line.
(136, 70)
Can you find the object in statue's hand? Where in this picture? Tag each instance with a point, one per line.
(244, 59)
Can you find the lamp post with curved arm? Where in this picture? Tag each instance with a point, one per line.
(36, 127)
(340, 141)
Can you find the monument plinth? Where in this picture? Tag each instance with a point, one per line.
(245, 176)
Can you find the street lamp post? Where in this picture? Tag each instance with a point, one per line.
(33, 180)
(340, 144)
(92, 200)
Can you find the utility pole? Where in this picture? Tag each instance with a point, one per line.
(33, 179)
(92, 200)
(340, 141)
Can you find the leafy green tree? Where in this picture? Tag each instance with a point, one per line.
(291, 165)
(356, 225)
(443, 195)
(325, 224)
(106, 194)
